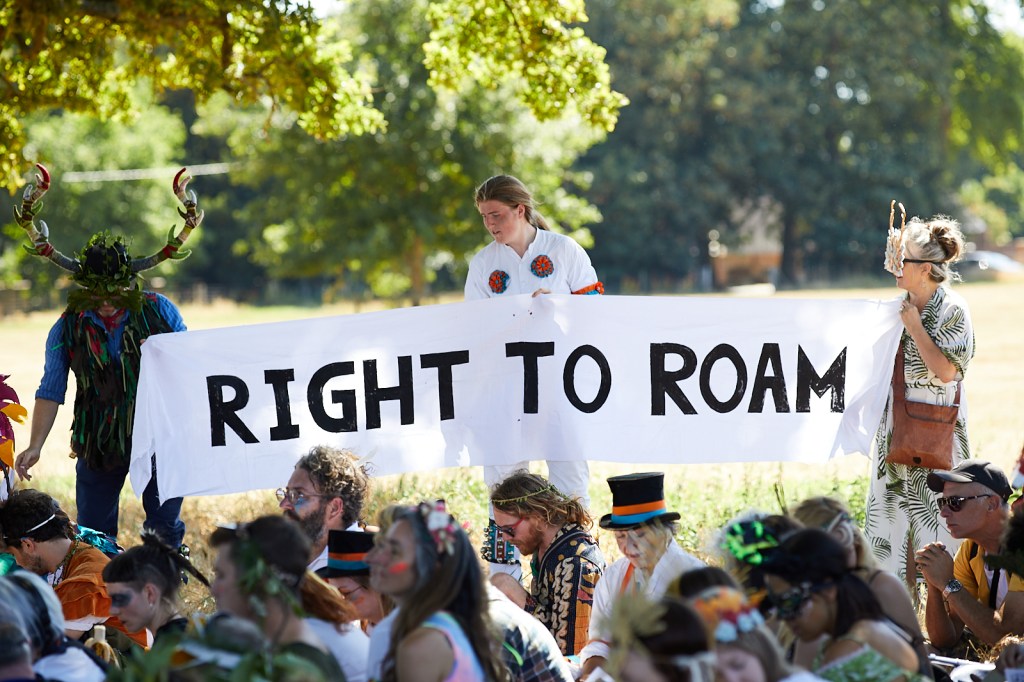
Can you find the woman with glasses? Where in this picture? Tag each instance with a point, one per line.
(144, 585)
(936, 348)
(819, 597)
(832, 516)
(425, 562)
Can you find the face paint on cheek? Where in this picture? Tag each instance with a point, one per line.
(399, 567)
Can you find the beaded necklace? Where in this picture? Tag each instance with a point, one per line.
(58, 574)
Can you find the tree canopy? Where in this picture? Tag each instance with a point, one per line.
(355, 141)
(87, 56)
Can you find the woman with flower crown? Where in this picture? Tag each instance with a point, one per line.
(259, 576)
(426, 564)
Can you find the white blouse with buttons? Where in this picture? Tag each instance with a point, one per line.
(552, 261)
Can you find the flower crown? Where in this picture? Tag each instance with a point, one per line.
(440, 524)
(727, 613)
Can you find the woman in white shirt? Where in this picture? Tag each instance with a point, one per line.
(526, 257)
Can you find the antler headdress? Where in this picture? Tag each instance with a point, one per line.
(31, 206)
(104, 267)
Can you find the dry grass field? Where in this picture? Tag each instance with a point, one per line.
(705, 495)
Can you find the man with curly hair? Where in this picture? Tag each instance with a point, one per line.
(326, 491)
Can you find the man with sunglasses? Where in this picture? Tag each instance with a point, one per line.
(325, 492)
(963, 592)
(566, 563)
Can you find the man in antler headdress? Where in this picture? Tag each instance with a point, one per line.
(99, 337)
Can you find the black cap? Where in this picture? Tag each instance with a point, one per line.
(973, 471)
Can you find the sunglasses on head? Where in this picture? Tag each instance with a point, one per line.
(956, 502)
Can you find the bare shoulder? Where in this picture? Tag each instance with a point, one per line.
(885, 583)
(842, 647)
(424, 655)
(894, 597)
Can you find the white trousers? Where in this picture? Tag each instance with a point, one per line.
(571, 478)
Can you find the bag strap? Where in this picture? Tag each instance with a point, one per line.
(899, 384)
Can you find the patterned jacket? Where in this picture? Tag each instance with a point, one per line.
(562, 593)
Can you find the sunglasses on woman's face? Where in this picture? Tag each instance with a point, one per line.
(956, 502)
(788, 604)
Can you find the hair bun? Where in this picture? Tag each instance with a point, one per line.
(947, 234)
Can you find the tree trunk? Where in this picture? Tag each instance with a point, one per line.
(787, 268)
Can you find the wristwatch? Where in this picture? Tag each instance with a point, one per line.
(952, 586)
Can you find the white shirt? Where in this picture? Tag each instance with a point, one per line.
(350, 647)
(321, 560)
(552, 261)
(380, 640)
(74, 665)
(673, 563)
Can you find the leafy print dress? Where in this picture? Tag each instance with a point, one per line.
(865, 665)
(900, 508)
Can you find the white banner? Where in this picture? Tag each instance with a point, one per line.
(613, 378)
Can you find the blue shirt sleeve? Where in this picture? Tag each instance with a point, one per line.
(170, 312)
(56, 365)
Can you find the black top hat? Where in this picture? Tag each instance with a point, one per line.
(637, 499)
(973, 471)
(346, 553)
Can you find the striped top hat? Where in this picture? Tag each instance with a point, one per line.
(346, 553)
(637, 499)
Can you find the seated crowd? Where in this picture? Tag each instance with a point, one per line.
(317, 593)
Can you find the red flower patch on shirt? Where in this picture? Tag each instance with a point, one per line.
(498, 281)
(542, 266)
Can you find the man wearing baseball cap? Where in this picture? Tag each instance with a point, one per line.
(962, 590)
